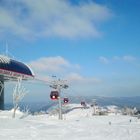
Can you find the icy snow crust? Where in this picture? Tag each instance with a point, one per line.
(77, 124)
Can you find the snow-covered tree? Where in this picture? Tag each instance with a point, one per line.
(18, 94)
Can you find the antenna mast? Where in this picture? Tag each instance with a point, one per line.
(6, 51)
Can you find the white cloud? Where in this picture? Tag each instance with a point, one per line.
(103, 60)
(129, 58)
(8, 24)
(75, 78)
(125, 58)
(52, 18)
(82, 85)
(116, 58)
(50, 64)
(46, 67)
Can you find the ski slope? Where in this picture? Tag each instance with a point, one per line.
(77, 124)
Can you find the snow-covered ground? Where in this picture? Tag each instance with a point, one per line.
(77, 124)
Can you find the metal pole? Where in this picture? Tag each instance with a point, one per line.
(1, 94)
(60, 104)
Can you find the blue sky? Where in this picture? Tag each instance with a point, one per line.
(94, 44)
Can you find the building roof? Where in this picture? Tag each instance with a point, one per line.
(12, 68)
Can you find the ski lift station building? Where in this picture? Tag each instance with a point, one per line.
(11, 70)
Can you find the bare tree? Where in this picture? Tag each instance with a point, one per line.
(26, 112)
(18, 94)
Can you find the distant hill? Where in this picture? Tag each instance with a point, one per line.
(100, 100)
(103, 101)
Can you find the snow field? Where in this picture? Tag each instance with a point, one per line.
(78, 124)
